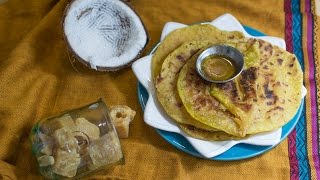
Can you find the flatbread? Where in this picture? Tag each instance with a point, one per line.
(166, 83)
(267, 93)
(195, 96)
(198, 32)
(279, 90)
(202, 106)
(239, 95)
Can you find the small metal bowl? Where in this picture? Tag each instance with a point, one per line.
(234, 55)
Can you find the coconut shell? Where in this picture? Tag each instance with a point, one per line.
(75, 55)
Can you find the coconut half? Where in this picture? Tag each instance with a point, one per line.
(105, 35)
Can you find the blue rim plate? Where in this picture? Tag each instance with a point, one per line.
(237, 152)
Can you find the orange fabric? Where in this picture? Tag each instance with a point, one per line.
(37, 80)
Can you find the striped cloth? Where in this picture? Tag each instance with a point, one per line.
(301, 25)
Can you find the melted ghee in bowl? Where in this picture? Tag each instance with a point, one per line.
(218, 68)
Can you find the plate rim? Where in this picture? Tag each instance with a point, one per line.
(220, 157)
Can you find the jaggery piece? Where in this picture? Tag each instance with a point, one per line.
(47, 144)
(65, 121)
(65, 140)
(45, 160)
(66, 163)
(121, 116)
(105, 150)
(88, 128)
(122, 128)
(57, 123)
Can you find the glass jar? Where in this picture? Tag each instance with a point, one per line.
(76, 143)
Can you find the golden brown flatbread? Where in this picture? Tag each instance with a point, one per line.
(279, 90)
(268, 94)
(195, 95)
(262, 98)
(166, 83)
(198, 32)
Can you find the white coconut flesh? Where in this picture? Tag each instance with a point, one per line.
(104, 33)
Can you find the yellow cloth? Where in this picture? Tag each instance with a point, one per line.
(37, 80)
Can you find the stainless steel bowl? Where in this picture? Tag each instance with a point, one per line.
(233, 54)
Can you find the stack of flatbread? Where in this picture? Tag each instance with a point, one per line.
(264, 97)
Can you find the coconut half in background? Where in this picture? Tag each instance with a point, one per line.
(105, 35)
